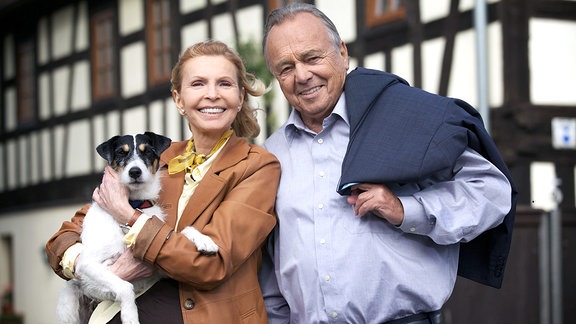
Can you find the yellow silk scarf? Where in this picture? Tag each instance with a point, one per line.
(190, 159)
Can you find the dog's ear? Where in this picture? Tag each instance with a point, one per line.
(106, 149)
(159, 142)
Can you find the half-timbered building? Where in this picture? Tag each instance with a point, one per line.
(76, 72)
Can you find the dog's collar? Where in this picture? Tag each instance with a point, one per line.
(141, 204)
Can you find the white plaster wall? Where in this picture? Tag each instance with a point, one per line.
(134, 120)
(157, 111)
(42, 43)
(251, 24)
(193, 33)
(131, 14)
(36, 286)
(60, 79)
(62, 32)
(82, 37)
(44, 105)
(79, 149)
(10, 108)
(222, 29)
(81, 96)
(35, 160)
(11, 165)
(343, 15)
(552, 51)
(189, 6)
(133, 68)
(46, 165)
(9, 67)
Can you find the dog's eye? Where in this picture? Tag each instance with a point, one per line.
(122, 150)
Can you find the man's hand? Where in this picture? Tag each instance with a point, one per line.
(379, 200)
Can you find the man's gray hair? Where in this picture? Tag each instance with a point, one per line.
(290, 11)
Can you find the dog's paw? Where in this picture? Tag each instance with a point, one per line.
(203, 242)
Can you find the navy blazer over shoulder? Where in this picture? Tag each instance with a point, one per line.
(424, 133)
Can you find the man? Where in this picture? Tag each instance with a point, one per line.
(412, 175)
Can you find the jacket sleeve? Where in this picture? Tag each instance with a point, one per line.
(240, 218)
(67, 235)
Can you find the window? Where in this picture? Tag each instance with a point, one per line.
(26, 84)
(158, 42)
(274, 4)
(103, 55)
(383, 11)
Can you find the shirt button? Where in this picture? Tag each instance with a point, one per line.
(327, 278)
(320, 206)
(189, 303)
(320, 141)
(334, 314)
(322, 241)
(321, 174)
(412, 229)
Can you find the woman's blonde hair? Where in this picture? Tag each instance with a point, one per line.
(245, 124)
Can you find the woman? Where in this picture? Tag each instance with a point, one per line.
(228, 194)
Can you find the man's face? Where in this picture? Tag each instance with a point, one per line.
(308, 67)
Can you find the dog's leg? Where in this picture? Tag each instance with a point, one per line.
(203, 242)
(101, 283)
(68, 308)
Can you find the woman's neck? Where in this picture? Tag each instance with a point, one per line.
(204, 143)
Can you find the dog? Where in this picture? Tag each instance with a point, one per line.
(136, 159)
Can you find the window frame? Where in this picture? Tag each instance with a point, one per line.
(396, 13)
(159, 49)
(103, 51)
(26, 83)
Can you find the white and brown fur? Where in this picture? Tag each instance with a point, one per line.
(136, 159)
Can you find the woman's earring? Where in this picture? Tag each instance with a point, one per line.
(181, 111)
(239, 107)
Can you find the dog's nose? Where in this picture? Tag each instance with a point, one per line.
(135, 173)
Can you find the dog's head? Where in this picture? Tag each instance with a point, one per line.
(136, 158)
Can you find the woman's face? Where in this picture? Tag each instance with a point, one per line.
(210, 95)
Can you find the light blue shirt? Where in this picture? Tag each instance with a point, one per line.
(330, 266)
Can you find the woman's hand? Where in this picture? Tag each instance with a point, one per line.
(378, 199)
(129, 268)
(112, 196)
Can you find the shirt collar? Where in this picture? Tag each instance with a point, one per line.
(294, 124)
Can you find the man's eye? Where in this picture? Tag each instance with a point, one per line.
(314, 59)
(285, 70)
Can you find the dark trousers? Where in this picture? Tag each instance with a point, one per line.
(160, 304)
(422, 318)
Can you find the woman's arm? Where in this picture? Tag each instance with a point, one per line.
(239, 219)
(61, 241)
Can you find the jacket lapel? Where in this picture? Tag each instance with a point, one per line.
(233, 152)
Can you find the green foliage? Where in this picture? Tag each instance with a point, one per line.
(251, 53)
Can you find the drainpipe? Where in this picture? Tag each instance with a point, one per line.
(481, 56)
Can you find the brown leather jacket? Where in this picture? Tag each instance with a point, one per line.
(234, 205)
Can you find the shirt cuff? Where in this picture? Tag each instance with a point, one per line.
(416, 220)
(69, 259)
(130, 237)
